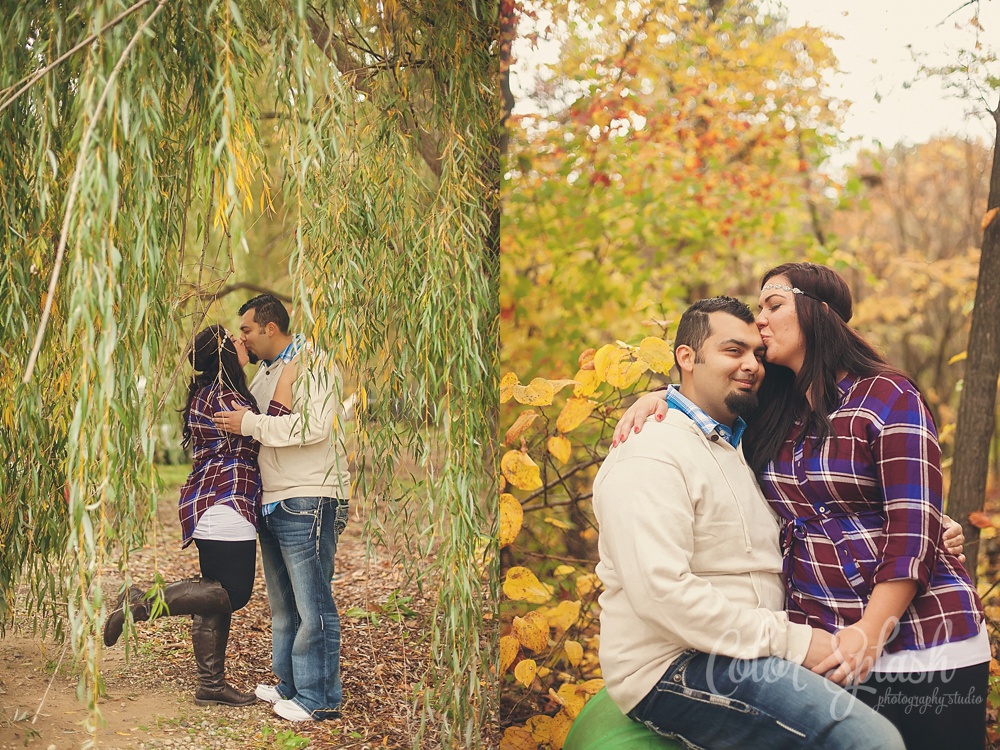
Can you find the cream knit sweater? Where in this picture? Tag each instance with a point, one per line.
(301, 454)
(689, 558)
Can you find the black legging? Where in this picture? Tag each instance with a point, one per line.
(233, 564)
(932, 710)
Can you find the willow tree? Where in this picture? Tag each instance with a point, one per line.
(130, 143)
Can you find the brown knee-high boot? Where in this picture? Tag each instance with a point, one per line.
(196, 596)
(210, 634)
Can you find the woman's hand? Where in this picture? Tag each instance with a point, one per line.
(645, 406)
(953, 538)
(856, 648)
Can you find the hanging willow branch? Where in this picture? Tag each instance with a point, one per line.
(117, 146)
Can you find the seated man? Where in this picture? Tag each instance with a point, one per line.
(694, 642)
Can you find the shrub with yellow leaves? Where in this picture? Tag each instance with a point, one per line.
(555, 442)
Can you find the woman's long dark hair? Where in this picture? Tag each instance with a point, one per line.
(215, 361)
(831, 346)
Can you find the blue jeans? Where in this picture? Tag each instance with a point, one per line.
(710, 701)
(298, 541)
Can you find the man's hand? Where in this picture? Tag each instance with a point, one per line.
(953, 539)
(645, 406)
(230, 421)
(820, 648)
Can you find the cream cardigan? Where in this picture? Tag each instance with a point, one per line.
(689, 558)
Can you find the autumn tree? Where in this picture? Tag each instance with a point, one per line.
(131, 165)
(673, 155)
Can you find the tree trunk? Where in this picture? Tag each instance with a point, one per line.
(977, 411)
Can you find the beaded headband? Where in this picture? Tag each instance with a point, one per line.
(796, 290)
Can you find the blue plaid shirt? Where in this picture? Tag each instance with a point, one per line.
(289, 353)
(706, 424)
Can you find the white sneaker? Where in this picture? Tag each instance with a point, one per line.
(268, 693)
(292, 711)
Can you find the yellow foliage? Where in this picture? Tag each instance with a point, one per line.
(574, 413)
(507, 383)
(520, 470)
(562, 525)
(564, 616)
(539, 727)
(532, 631)
(509, 646)
(539, 392)
(524, 672)
(558, 729)
(511, 518)
(521, 424)
(521, 585)
(574, 652)
(588, 381)
(560, 447)
(517, 738)
(558, 385)
(655, 352)
(587, 583)
(563, 570)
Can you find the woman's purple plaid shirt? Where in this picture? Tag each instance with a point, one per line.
(865, 507)
(224, 465)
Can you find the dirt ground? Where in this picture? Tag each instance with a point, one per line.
(148, 702)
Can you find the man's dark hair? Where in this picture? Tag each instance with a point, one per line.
(267, 309)
(694, 327)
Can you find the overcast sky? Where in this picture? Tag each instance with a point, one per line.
(874, 58)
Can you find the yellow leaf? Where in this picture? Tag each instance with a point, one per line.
(988, 218)
(558, 730)
(586, 359)
(626, 372)
(565, 615)
(563, 570)
(544, 672)
(507, 383)
(532, 631)
(538, 392)
(958, 357)
(522, 586)
(539, 725)
(508, 652)
(572, 699)
(524, 672)
(558, 385)
(521, 424)
(591, 687)
(656, 353)
(559, 446)
(573, 414)
(587, 583)
(604, 357)
(588, 381)
(520, 470)
(574, 652)
(511, 518)
(517, 738)
(557, 523)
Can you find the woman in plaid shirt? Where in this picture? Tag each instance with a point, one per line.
(218, 509)
(847, 455)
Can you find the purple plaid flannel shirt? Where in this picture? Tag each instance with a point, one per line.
(865, 507)
(224, 465)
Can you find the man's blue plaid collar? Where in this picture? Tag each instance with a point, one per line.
(289, 352)
(706, 424)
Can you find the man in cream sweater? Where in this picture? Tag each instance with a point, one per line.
(694, 642)
(304, 506)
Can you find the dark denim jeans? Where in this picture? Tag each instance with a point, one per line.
(298, 541)
(710, 701)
